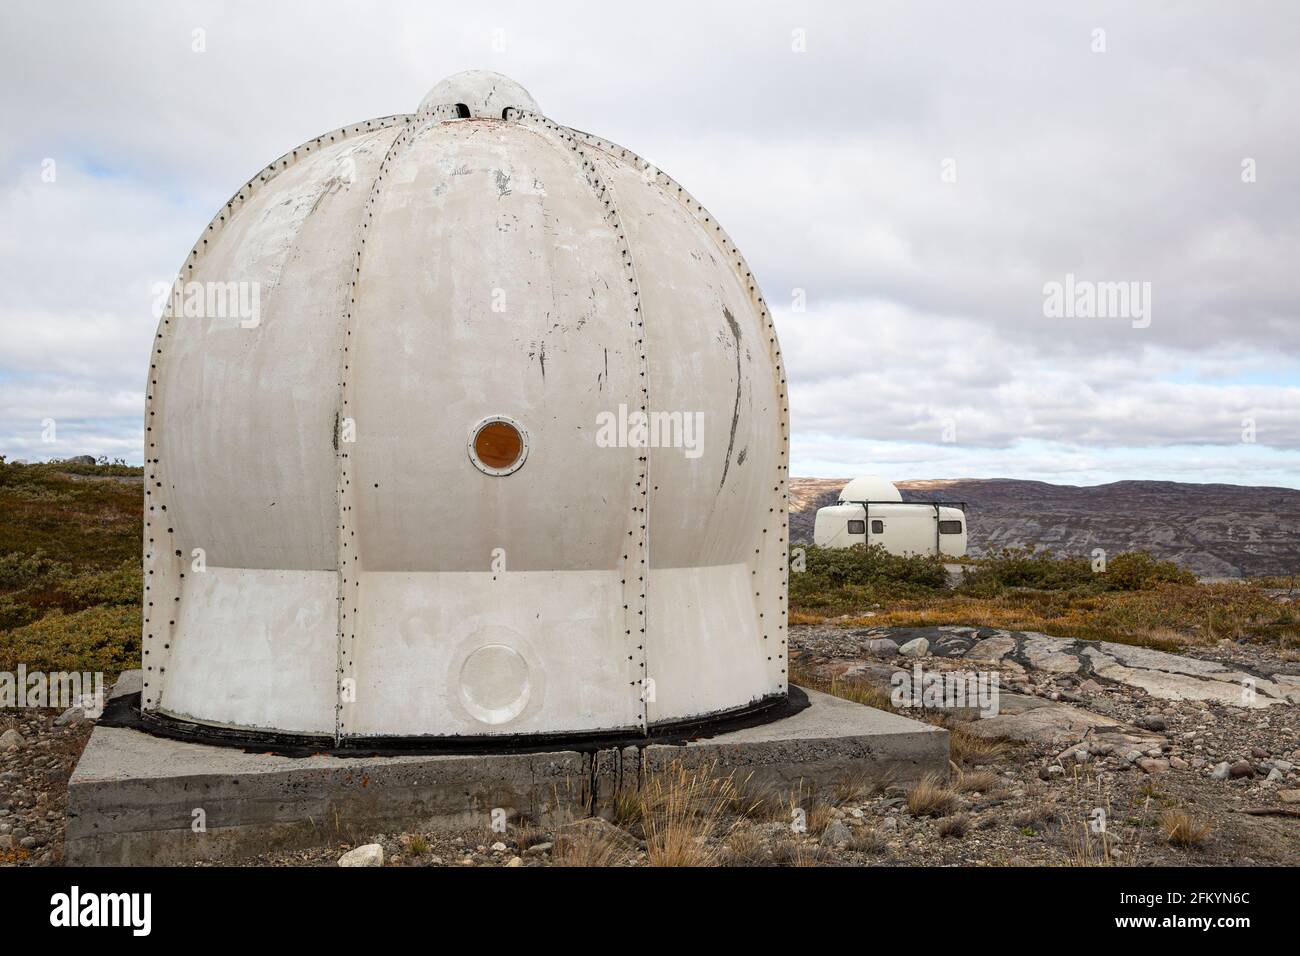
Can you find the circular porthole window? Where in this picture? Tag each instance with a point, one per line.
(498, 446)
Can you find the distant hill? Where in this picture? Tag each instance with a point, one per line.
(1213, 530)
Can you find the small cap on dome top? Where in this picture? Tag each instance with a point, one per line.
(870, 488)
(482, 93)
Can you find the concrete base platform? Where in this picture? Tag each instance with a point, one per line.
(135, 799)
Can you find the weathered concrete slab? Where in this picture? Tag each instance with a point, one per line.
(136, 799)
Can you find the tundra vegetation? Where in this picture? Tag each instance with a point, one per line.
(1137, 599)
(70, 567)
(70, 583)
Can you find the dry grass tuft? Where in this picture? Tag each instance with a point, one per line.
(855, 689)
(931, 797)
(1034, 818)
(527, 834)
(681, 811)
(794, 853)
(819, 818)
(588, 848)
(882, 782)
(810, 812)
(980, 781)
(1086, 848)
(753, 802)
(625, 808)
(1148, 790)
(968, 748)
(801, 617)
(860, 692)
(772, 807)
(851, 787)
(869, 840)
(744, 848)
(1182, 829)
(955, 827)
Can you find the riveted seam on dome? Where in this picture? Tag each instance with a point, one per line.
(161, 564)
(724, 242)
(348, 560)
(637, 558)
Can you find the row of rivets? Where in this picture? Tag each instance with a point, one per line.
(162, 567)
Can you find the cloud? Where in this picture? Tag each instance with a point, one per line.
(924, 295)
(875, 370)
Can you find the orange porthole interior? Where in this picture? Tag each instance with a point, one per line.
(498, 445)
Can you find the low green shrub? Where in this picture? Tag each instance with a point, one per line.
(18, 570)
(97, 639)
(1139, 571)
(1014, 568)
(848, 577)
(1027, 568)
(119, 585)
(15, 613)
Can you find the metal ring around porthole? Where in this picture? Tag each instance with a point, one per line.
(498, 445)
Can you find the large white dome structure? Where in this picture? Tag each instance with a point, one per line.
(385, 503)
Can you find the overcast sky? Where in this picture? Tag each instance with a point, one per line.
(904, 178)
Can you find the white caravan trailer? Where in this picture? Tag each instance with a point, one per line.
(870, 510)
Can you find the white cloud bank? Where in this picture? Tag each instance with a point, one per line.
(924, 315)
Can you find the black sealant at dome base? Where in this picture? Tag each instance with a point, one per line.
(125, 712)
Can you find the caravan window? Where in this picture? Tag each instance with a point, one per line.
(950, 527)
(877, 526)
(857, 527)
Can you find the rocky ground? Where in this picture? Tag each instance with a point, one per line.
(1099, 754)
(1091, 724)
(38, 749)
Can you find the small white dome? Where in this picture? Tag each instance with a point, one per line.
(870, 488)
(483, 93)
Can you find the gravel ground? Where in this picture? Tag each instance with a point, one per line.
(34, 783)
(1030, 802)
